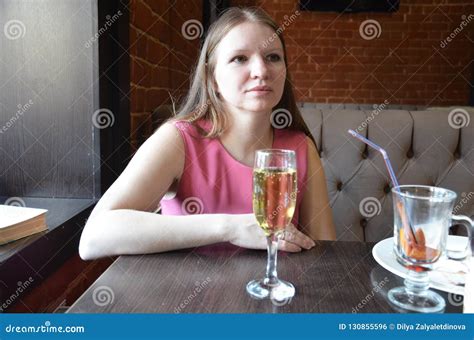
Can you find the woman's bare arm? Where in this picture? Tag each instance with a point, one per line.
(316, 213)
(123, 222)
(125, 231)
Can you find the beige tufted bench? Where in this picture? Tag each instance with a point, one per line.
(423, 148)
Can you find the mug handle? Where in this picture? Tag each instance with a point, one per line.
(469, 225)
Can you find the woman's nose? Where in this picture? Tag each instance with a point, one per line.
(259, 68)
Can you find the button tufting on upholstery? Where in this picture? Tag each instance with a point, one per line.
(364, 154)
(363, 222)
(339, 186)
(457, 155)
(410, 154)
(386, 189)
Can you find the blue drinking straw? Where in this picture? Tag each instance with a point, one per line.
(389, 168)
(384, 155)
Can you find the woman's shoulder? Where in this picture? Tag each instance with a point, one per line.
(166, 137)
(167, 131)
(195, 129)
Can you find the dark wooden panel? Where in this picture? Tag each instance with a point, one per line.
(63, 287)
(114, 66)
(38, 256)
(52, 155)
(48, 94)
(59, 211)
(333, 277)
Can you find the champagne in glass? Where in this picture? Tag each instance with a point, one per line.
(274, 198)
(274, 201)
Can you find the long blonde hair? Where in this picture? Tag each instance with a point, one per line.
(202, 101)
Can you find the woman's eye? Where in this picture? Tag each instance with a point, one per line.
(273, 57)
(239, 59)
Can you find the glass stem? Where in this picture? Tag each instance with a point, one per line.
(271, 277)
(417, 283)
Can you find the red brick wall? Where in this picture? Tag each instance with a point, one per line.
(330, 61)
(160, 57)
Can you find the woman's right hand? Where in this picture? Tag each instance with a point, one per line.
(245, 232)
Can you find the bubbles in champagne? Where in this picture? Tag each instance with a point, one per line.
(274, 198)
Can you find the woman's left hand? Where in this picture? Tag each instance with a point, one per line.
(293, 238)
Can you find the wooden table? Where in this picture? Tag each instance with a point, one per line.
(333, 277)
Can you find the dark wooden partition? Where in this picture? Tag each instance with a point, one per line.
(64, 121)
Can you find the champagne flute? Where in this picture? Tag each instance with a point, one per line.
(274, 201)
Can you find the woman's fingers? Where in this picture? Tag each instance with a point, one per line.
(295, 236)
(288, 246)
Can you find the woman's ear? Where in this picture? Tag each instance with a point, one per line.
(216, 88)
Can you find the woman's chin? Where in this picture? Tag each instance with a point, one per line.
(261, 106)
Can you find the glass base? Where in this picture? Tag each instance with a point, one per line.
(280, 291)
(427, 302)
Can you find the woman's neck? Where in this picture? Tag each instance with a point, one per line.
(246, 134)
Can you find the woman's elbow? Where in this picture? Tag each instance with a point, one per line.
(87, 245)
(85, 250)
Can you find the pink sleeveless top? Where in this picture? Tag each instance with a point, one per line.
(213, 182)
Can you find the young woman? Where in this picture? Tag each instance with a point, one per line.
(202, 160)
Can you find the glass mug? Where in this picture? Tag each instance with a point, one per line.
(422, 217)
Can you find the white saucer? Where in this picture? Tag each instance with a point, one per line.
(445, 274)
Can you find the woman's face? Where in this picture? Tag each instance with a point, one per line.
(248, 76)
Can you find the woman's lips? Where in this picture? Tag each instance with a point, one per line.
(260, 90)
